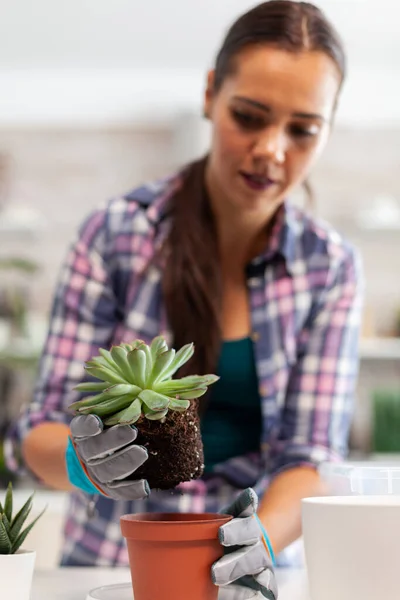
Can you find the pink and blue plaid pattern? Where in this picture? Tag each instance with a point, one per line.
(305, 296)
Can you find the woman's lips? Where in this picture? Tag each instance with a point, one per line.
(257, 182)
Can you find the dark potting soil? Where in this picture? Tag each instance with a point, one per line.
(175, 449)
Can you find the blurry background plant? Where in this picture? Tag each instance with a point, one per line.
(4, 178)
(386, 421)
(16, 354)
(19, 352)
(14, 295)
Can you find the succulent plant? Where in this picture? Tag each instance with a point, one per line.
(12, 534)
(136, 379)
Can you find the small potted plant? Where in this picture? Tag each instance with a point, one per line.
(137, 386)
(16, 564)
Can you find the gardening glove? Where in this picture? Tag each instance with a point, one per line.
(246, 567)
(105, 461)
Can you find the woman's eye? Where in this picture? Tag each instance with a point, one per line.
(303, 132)
(247, 120)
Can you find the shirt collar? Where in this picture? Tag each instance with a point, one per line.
(284, 232)
(282, 240)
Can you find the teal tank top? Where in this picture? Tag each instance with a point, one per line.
(231, 424)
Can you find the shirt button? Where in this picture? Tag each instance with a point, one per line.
(253, 282)
(255, 336)
(263, 390)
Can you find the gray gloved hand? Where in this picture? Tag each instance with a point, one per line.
(105, 460)
(246, 567)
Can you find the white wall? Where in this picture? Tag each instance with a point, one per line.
(156, 33)
(153, 97)
(97, 61)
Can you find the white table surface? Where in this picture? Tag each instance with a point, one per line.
(74, 583)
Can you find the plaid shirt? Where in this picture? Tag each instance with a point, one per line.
(305, 301)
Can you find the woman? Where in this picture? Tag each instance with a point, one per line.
(216, 254)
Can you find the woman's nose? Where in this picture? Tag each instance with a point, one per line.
(271, 145)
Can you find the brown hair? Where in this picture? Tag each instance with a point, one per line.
(191, 281)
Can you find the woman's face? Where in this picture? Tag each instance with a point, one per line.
(270, 121)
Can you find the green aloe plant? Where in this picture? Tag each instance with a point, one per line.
(137, 380)
(138, 383)
(12, 534)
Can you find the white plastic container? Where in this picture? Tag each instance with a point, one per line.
(352, 547)
(361, 478)
(117, 591)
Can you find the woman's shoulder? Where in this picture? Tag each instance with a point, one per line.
(135, 212)
(316, 237)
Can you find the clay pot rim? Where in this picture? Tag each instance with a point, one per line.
(207, 518)
(161, 527)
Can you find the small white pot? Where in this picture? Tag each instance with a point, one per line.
(16, 572)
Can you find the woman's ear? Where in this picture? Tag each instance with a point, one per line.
(209, 95)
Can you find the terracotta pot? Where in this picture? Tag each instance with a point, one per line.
(171, 554)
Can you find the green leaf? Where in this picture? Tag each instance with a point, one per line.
(196, 380)
(157, 346)
(22, 536)
(5, 542)
(105, 374)
(190, 395)
(137, 364)
(7, 525)
(191, 382)
(8, 503)
(99, 362)
(149, 358)
(136, 344)
(107, 360)
(110, 363)
(107, 408)
(179, 405)
(162, 362)
(115, 391)
(127, 347)
(20, 518)
(173, 391)
(122, 389)
(120, 356)
(88, 401)
(154, 401)
(91, 386)
(106, 354)
(16, 262)
(127, 416)
(181, 357)
(209, 379)
(149, 362)
(154, 415)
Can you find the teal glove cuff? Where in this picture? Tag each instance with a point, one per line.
(266, 540)
(75, 473)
